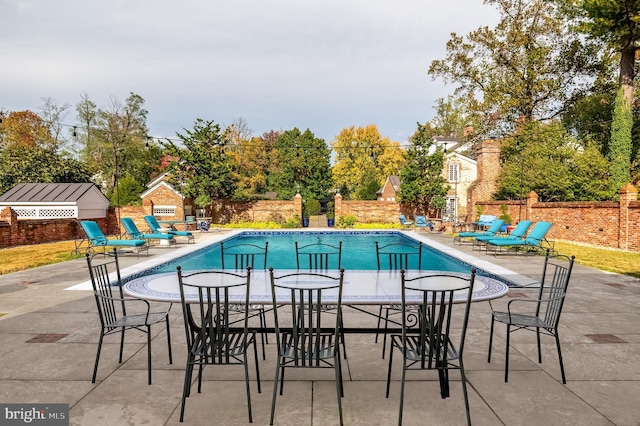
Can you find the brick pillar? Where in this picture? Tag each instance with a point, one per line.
(628, 193)
(11, 217)
(532, 198)
(337, 205)
(297, 205)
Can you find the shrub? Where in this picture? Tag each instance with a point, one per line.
(312, 207)
(504, 214)
(292, 222)
(346, 221)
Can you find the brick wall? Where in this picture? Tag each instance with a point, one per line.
(614, 224)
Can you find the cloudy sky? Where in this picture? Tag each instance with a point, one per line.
(277, 64)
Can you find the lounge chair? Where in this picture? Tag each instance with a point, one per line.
(97, 239)
(404, 222)
(470, 236)
(533, 241)
(518, 233)
(423, 223)
(155, 226)
(485, 221)
(134, 232)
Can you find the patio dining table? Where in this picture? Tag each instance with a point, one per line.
(359, 288)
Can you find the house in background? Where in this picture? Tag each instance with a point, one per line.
(56, 201)
(390, 189)
(460, 172)
(167, 202)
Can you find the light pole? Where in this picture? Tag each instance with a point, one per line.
(521, 173)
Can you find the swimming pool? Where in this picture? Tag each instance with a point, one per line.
(358, 250)
(208, 250)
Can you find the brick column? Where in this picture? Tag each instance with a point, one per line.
(532, 198)
(628, 193)
(297, 205)
(337, 205)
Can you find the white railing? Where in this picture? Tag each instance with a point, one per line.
(47, 212)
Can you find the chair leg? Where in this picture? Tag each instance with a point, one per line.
(186, 391)
(121, 345)
(539, 348)
(149, 352)
(255, 354)
(564, 379)
(506, 358)
(344, 346)
(339, 389)
(275, 391)
(493, 320)
(169, 340)
(246, 382)
(463, 378)
(404, 373)
(95, 368)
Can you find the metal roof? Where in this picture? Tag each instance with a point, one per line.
(46, 192)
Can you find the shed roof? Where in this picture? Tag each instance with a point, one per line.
(46, 192)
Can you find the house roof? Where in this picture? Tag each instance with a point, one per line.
(47, 192)
(394, 181)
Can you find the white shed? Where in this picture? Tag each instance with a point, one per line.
(56, 201)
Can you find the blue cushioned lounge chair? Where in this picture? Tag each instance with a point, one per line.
(134, 232)
(518, 233)
(533, 241)
(405, 223)
(485, 221)
(154, 226)
(470, 236)
(97, 239)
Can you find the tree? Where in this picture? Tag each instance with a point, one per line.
(421, 177)
(545, 159)
(24, 129)
(530, 65)
(115, 142)
(255, 159)
(36, 164)
(302, 161)
(363, 159)
(203, 164)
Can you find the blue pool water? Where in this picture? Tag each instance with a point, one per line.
(358, 250)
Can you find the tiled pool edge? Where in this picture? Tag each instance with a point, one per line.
(509, 277)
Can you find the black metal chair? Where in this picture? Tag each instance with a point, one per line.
(543, 315)
(112, 308)
(240, 256)
(213, 337)
(426, 341)
(394, 257)
(321, 257)
(306, 340)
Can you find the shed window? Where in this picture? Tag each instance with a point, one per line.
(164, 210)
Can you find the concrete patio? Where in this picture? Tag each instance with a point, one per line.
(48, 339)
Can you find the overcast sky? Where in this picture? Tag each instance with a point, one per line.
(278, 64)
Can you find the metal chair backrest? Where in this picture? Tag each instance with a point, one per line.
(106, 280)
(398, 256)
(242, 255)
(319, 256)
(553, 287)
(307, 292)
(434, 295)
(210, 293)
